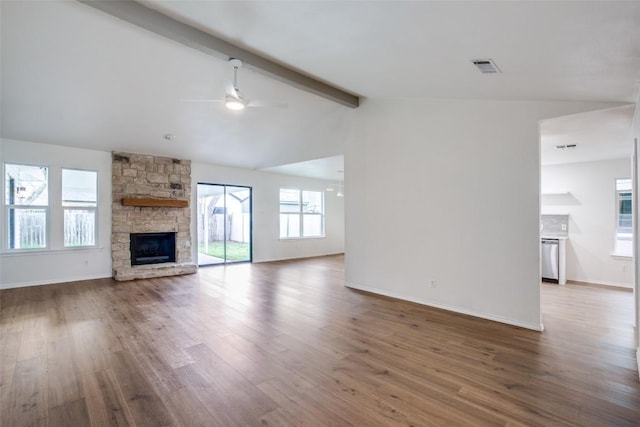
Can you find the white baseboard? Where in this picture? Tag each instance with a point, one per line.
(258, 261)
(51, 282)
(536, 327)
(604, 284)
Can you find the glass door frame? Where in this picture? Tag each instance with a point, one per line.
(225, 186)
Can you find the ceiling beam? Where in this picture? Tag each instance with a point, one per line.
(156, 22)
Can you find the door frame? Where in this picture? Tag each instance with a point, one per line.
(225, 262)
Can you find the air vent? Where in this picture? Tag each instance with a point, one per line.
(565, 146)
(486, 66)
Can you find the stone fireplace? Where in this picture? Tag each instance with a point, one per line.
(151, 217)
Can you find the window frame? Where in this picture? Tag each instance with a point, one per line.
(301, 214)
(7, 207)
(63, 208)
(618, 236)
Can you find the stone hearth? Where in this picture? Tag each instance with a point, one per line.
(140, 176)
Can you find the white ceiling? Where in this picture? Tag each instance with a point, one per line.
(598, 135)
(331, 168)
(72, 75)
(562, 50)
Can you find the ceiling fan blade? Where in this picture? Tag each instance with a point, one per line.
(204, 100)
(234, 99)
(267, 104)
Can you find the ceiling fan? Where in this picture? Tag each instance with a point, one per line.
(234, 100)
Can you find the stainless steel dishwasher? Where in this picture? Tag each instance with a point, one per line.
(549, 257)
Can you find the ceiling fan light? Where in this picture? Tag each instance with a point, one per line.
(234, 104)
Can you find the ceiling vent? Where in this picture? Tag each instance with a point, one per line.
(486, 66)
(565, 146)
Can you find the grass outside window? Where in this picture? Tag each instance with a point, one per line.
(236, 251)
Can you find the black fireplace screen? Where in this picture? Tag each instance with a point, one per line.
(153, 248)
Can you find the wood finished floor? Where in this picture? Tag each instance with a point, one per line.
(285, 344)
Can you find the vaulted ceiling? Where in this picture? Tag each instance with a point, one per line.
(73, 75)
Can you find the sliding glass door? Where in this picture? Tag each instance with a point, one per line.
(224, 224)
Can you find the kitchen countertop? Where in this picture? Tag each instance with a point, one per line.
(545, 236)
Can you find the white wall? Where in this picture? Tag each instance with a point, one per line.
(591, 206)
(58, 264)
(462, 179)
(63, 265)
(266, 192)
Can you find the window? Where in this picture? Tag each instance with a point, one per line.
(27, 208)
(624, 218)
(301, 213)
(27, 204)
(79, 202)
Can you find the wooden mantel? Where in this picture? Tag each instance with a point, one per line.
(155, 203)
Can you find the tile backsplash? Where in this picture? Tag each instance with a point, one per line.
(552, 225)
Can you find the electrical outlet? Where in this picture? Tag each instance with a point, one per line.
(564, 227)
(433, 283)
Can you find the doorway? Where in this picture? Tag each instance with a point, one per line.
(587, 176)
(224, 224)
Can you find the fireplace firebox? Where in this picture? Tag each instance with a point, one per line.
(152, 248)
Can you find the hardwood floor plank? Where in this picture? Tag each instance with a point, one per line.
(8, 355)
(329, 386)
(143, 401)
(63, 385)
(186, 410)
(72, 413)
(91, 353)
(286, 344)
(106, 404)
(26, 403)
(440, 411)
(232, 388)
(33, 342)
(209, 395)
(288, 396)
(281, 418)
(514, 410)
(250, 361)
(151, 362)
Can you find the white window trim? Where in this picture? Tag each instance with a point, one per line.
(94, 208)
(7, 207)
(54, 208)
(301, 215)
(615, 253)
